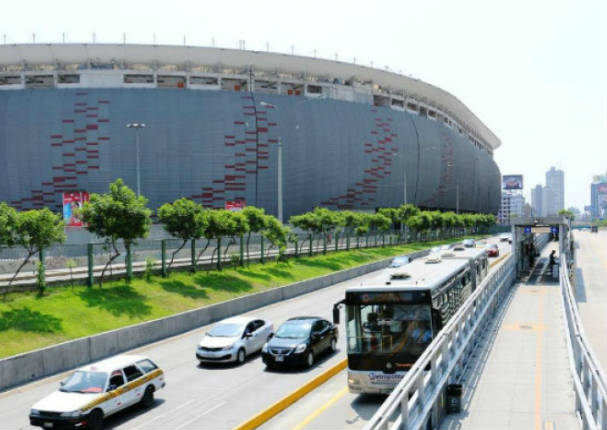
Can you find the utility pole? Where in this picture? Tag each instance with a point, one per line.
(457, 199)
(137, 127)
(279, 174)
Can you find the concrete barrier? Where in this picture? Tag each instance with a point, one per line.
(29, 366)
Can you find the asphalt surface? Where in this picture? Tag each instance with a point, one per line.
(591, 289)
(210, 397)
(332, 406)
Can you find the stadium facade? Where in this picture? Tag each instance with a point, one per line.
(352, 136)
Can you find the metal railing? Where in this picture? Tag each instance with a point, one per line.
(415, 400)
(589, 379)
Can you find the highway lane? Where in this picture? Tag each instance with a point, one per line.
(591, 288)
(332, 406)
(218, 396)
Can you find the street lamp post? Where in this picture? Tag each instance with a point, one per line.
(137, 126)
(279, 179)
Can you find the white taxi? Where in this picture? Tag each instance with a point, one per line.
(98, 390)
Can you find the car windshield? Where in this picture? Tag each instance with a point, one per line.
(294, 330)
(399, 261)
(84, 382)
(226, 330)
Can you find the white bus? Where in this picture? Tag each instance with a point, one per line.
(389, 325)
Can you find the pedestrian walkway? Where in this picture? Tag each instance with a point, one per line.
(520, 377)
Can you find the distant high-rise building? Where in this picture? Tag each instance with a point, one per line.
(511, 207)
(536, 200)
(548, 202)
(555, 182)
(598, 198)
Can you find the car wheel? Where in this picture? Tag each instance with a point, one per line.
(333, 346)
(241, 356)
(148, 397)
(94, 420)
(310, 359)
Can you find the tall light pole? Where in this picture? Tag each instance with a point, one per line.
(279, 179)
(137, 126)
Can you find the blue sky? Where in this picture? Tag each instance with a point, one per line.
(534, 71)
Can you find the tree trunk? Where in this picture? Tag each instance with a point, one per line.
(115, 256)
(175, 253)
(203, 250)
(29, 255)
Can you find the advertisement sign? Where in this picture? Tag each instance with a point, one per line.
(234, 205)
(512, 182)
(71, 201)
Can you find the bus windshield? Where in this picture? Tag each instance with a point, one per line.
(399, 332)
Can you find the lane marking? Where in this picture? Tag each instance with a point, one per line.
(320, 410)
(538, 363)
(200, 415)
(289, 399)
(163, 414)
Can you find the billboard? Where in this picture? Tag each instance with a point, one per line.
(512, 182)
(71, 201)
(234, 205)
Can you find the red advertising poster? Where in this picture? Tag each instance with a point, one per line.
(71, 201)
(234, 205)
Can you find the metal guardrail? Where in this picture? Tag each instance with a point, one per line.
(416, 398)
(589, 380)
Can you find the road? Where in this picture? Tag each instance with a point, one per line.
(218, 396)
(591, 288)
(332, 406)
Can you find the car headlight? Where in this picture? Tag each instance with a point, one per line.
(34, 412)
(300, 348)
(227, 348)
(264, 348)
(72, 414)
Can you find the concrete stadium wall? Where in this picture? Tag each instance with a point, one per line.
(214, 146)
(27, 367)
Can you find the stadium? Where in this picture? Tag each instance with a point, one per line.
(352, 137)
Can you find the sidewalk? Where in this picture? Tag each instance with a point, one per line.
(521, 377)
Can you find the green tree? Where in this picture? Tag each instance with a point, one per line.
(8, 225)
(277, 235)
(567, 214)
(256, 219)
(221, 223)
(117, 215)
(35, 230)
(183, 219)
(238, 227)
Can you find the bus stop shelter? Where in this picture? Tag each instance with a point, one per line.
(525, 232)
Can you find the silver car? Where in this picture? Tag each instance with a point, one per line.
(232, 339)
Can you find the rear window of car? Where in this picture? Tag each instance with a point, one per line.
(146, 365)
(132, 373)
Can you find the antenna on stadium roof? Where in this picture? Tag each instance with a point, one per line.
(184, 40)
(33, 37)
(124, 38)
(63, 37)
(315, 53)
(94, 37)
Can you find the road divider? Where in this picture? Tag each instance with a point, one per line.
(291, 398)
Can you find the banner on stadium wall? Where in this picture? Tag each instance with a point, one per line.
(234, 205)
(71, 201)
(512, 182)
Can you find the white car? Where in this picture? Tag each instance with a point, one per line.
(98, 390)
(233, 339)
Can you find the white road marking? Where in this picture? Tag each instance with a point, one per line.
(164, 414)
(200, 415)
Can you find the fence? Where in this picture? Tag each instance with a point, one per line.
(589, 381)
(88, 260)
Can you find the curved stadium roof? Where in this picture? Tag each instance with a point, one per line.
(24, 55)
